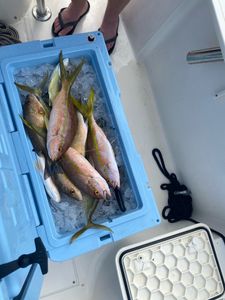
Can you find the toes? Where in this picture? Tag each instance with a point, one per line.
(65, 30)
(56, 25)
(59, 30)
(109, 45)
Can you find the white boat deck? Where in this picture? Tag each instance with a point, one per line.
(93, 275)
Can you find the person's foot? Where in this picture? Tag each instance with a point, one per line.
(70, 14)
(109, 29)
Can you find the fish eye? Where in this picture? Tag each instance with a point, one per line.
(96, 192)
(72, 191)
(41, 112)
(59, 148)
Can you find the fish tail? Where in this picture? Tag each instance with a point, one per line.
(90, 103)
(78, 234)
(86, 109)
(79, 106)
(69, 79)
(62, 67)
(90, 209)
(54, 84)
(36, 91)
(72, 77)
(89, 226)
(99, 226)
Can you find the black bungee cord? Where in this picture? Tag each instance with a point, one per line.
(179, 205)
(8, 35)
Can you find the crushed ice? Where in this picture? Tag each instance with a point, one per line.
(69, 214)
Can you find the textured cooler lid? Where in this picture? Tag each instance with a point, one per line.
(184, 267)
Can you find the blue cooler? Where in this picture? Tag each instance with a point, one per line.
(27, 228)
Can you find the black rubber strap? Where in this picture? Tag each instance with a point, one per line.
(179, 200)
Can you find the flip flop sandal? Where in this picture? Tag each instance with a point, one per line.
(112, 40)
(64, 25)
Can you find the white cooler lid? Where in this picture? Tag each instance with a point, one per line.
(180, 265)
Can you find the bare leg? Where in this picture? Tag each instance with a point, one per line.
(110, 20)
(71, 13)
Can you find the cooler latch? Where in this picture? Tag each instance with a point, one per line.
(38, 257)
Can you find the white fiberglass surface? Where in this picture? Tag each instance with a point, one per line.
(93, 275)
(193, 120)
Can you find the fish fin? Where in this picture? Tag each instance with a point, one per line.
(49, 99)
(54, 84)
(46, 174)
(46, 121)
(32, 127)
(73, 75)
(62, 67)
(48, 168)
(41, 162)
(37, 165)
(43, 169)
(31, 90)
(78, 234)
(49, 184)
(45, 107)
(99, 226)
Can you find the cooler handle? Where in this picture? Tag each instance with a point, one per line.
(38, 257)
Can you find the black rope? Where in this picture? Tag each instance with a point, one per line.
(8, 35)
(179, 205)
(179, 200)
